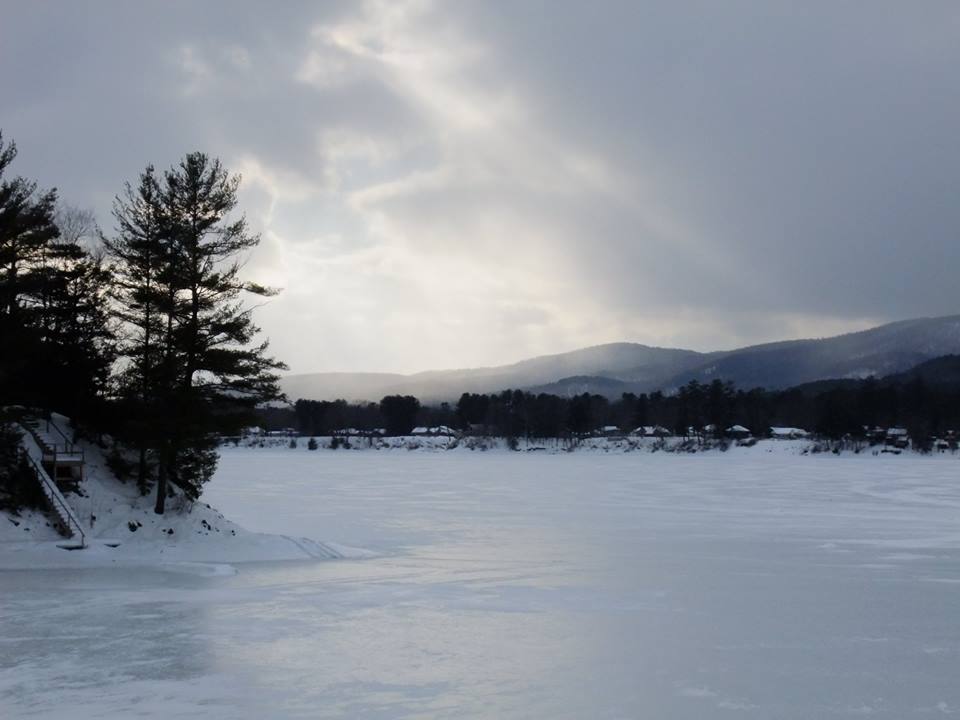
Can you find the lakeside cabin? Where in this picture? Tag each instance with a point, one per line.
(897, 437)
(438, 431)
(788, 433)
(738, 432)
(650, 431)
(609, 431)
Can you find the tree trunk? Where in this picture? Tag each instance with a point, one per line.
(161, 484)
(142, 470)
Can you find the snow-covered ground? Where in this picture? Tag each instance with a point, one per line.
(523, 585)
(123, 530)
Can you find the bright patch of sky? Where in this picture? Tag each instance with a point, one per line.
(464, 184)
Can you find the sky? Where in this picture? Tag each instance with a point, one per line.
(459, 184)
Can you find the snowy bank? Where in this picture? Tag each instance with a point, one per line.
(604, 445)
(123, 530)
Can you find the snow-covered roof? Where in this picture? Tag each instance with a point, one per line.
(437, 430)
(650, 430)
(737, 429)
(788, 432)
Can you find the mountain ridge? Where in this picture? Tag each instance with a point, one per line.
(612, 368)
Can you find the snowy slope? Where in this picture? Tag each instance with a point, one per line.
(113, 511)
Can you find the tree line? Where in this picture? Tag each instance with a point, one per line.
(140, 333)
(832, 410)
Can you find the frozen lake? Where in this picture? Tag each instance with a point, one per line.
(524, 585)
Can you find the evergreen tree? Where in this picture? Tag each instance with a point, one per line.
(56, 350)
(578, 414)
(76, 332)
(141, 252)
(641, 412)
(219, 377)
(193, 366)
(719, 406)
(27, 228)
(399, 413)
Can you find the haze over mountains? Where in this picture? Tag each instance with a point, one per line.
(615, 368)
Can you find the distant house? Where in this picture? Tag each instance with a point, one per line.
(608, 431)
(738, 432)
(650, 431)
(358, 433)
(788, 433)
(253, 431)
(897, 437)
(436, 431)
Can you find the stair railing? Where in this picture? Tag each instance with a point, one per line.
(68, 446)
(51, 452)
(56, 499)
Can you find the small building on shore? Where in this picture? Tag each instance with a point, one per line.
(436, 431)
(897, 437)
(788, 433)
(738, 432)
(650, 431)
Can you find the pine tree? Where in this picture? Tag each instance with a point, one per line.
(56, 350)
(193, 364)
(139, 253)
(26, 229)
(76, 334)
(399, 413)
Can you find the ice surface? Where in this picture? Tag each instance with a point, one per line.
(523, 585)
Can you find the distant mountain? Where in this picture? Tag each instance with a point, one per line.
(630, 362)
(880, 351)
(593, 384)
(942, 372)
(616, 368)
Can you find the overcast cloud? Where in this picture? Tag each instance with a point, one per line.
(459, 184)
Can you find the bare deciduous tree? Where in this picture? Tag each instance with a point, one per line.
(75, 224)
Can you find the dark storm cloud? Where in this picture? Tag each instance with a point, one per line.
(699, 173)
(813, 145)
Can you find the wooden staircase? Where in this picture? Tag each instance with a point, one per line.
(61, 457)
(49, 458)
